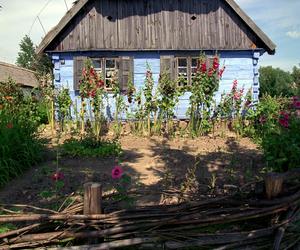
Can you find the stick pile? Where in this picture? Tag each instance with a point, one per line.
(236, 222)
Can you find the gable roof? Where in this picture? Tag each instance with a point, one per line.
(22, 76)
(79, 4)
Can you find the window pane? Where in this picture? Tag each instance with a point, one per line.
(194, 62)
(110, 63)
(182, 62)
(96, 63)
(182, 71)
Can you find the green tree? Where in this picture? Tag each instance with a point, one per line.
(296, 78)
(26, 55)
(275, 82)
(27, 58)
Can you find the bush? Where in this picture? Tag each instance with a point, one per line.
(19, 145)
(91, 147)
(280, 134)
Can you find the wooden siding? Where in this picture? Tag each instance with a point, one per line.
(155, 25)
(242, 66)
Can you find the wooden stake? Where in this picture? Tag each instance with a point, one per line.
(92, 198)
(273, 184)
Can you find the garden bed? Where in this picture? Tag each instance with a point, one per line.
(212, 166)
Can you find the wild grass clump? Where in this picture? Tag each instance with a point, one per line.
(91, 147)
(19, 146)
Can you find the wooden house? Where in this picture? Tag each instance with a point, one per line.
(124, 35)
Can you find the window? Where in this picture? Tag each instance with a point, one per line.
(182, 71)
(111, 69)
(186, 68)
(111, 72)
(107, 68)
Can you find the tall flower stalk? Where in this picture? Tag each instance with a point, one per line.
(92, 89)
(204, 85)
(149, 105)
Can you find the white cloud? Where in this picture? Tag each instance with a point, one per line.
(293, 34)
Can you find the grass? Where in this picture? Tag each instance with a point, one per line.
(91, 147)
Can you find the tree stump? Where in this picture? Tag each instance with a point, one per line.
(92, 198)
(273, 184)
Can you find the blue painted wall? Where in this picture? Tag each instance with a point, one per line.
(240, 65)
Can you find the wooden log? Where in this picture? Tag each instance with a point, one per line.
(92, 198)
(273, 184)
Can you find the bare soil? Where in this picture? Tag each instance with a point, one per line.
(206, 167)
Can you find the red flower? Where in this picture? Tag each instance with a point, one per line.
(9, 125)
(216, 63)
(84, 72)
(203, 67)
(210, 72)
(221, 71)
(93, 93)
(92, 72)
(116, 172)
(57, 176)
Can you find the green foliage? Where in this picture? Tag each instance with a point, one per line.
(275, 82)
(26, 56)
(64, 103)
(90, 147)
(28, 59)
(296, 78)
(19, 145)
(168, 96)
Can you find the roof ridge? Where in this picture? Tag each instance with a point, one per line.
(15, 66)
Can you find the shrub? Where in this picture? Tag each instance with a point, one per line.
(19, 145)
(280, 136)
(91, 147)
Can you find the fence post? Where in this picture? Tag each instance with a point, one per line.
(92, 201)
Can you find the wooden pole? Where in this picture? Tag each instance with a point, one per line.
(92, 198)
(273, 184)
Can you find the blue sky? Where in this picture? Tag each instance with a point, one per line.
(279, 19)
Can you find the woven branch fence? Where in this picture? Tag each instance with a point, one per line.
(245, 220)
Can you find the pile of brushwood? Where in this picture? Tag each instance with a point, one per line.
(245, 220)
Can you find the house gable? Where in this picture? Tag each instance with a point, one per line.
(155, 25)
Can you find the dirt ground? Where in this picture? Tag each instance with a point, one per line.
(205, 167)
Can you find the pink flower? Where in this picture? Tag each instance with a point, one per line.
(284, 123)
(284, 119)
(284, 115)
(116, 172)
(57, 176)
(237, 96)
(234, 86)
(296, 104)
